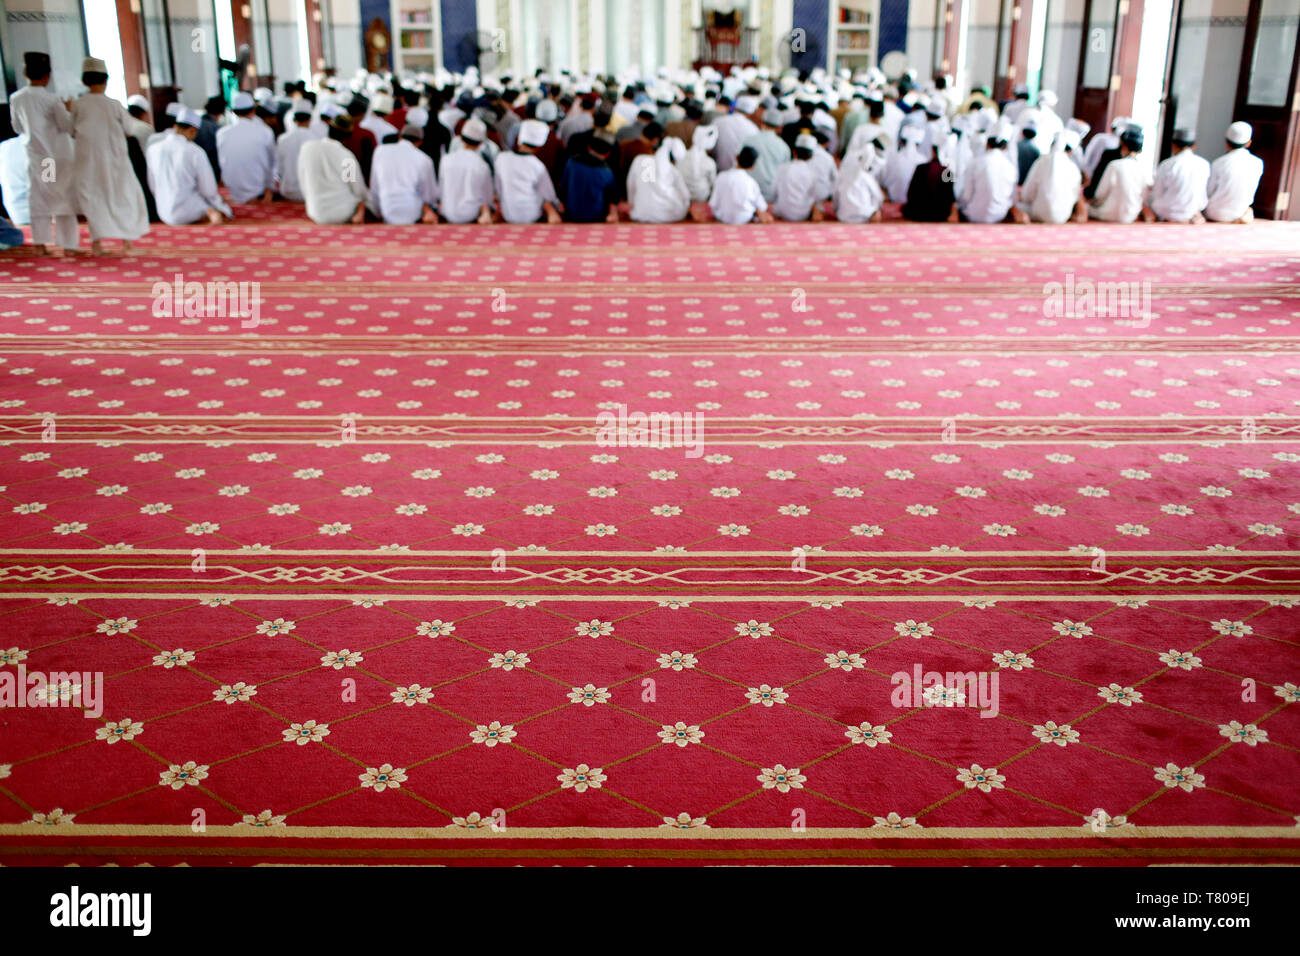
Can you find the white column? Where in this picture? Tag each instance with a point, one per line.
(672, 42)
(617, 38)
(782, 24)
(596, 38)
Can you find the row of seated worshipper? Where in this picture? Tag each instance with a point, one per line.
(737, 149)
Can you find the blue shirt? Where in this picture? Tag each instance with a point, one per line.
(587, 189)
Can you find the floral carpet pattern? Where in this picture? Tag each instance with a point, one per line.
(359, 584)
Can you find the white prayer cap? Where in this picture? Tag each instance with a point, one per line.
(382, 103)
(418, 115)
(747, 104)
(1047, 98)
(1118, 123)
(1069, 139)
(242, 101)
(329, 109)
(912, 134)
(263, 95)
(773, 117)
(1022, 89)
(1005, 130)
(137, 101)
(935, 106)
(93, 64)
(805, 141)
(189, 117)
(173, 109)
(1029, 120)
(1239, 133)
(911, 99)
(533, 132)
(475, 129)
(547, 111)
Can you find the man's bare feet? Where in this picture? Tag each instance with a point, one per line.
(1148, 215)
(214, 217)
(127, 248)
(877, 216)
(96, 248)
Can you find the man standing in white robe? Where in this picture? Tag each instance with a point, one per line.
(246, 152)
(37, 113)
(403, 186)
(1179, 192)
(524, 186)
(287, 148)
(180, 176)
(108, 192)
(13, 179)
(330, 178)
(1234, 177)
(465, 178)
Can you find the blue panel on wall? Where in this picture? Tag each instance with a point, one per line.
(813, 17)
(893, 27)
(459, 19)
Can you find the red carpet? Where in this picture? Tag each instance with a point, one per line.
(472, 609)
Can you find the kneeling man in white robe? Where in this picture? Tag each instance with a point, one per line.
(524, 187)
(330, 178)
(656, 190)
(403, 186)
(1234, 177)
(180, 176)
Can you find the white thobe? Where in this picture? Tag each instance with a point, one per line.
(824, 165)
(37, 113)
(900, 165)
(736, 197)
(287, 148)
(864, 135)
(1234, 177)
(523, 185)
(989, 189)
(794, 191)
(858, 195)
(700, 172)
(330, 179)
(1179, 191)
(1052, 188)
(1122, 191)
(733, 129)
(181, 180)
(465, 184)
(246, 152)
(108, 193)
(379, 126)
(13, 179)
(140, 130)
(402, 182)
(1096, 146)
(655, 194)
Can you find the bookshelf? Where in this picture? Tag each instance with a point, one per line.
(417, 35)
(853, 34)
